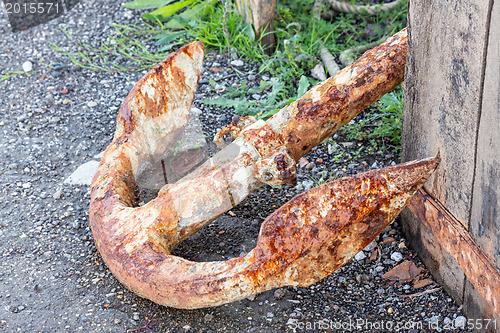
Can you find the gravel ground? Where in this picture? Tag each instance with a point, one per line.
(52, 278)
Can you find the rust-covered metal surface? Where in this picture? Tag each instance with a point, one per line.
(456, 240)
(302, 242)
(334, 102)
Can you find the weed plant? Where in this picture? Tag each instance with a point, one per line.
(169, 24)
(380, 125)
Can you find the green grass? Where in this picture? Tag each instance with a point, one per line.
(323, 178)
(381, 125)
(127, 48)
(169, 24)
(239, 99)
(10, 74)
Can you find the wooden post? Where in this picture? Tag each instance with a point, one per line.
(452, 105)
(260, 14)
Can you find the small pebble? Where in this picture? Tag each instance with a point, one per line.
(396, 256)
(59, 68)
(27, 66)
(370, 246)
(307, 184)
(57, 194)
(434, 323)
(279, 293)
(91, 104)
(208, 317)
(237, 63)
(118, 321)
(360, 256)
(318, 72)
(303, 162)
(460, 322)
(75, 68)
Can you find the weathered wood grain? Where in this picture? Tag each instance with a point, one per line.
(260, 14)
(452, 104)
(485, 210)
(442, 87)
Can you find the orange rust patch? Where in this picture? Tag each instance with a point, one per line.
(263, 139)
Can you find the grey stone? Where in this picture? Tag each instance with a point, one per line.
(237, 63)
(460, 322)
(27, 66)
(280, 293)
(370, 246)
(307, 184)
(360, 256)
(396, 256)
(57, 194)
(83, 174)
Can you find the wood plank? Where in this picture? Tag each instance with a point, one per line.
(456, 240)
(260, 14)
(485, 211)
(476, 308)
(442, 89)
(443, 267)
(485, 215)
(441, 109)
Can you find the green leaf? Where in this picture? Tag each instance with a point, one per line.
(303, 86)
(167, 47)
(222, 102)
(146, 4)
(169, 37)
(175, 24)
(188, 16)
(249, 32)
(166, 11)
(195, 11)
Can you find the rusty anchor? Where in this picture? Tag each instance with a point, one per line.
(300, 243)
